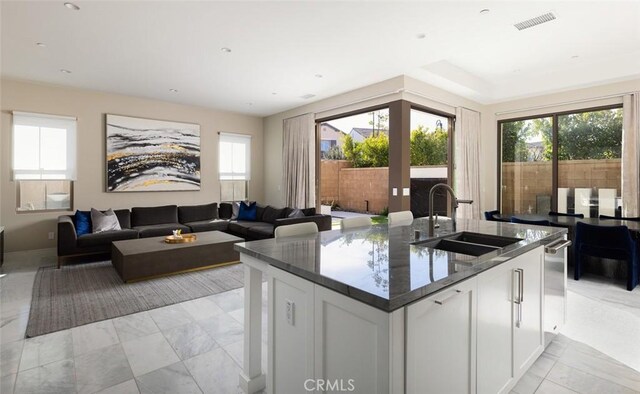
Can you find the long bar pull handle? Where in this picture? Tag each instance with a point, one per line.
(555, 247)
(521, 285)
(443, 300)
(518, 295)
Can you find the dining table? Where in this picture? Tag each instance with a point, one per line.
(593, 265)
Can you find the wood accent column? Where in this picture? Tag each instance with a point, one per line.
(399, 154)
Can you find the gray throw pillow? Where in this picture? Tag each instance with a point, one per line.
(235, 207)
(296, 213)
(104, 221)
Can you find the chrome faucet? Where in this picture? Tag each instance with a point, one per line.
(454, 205)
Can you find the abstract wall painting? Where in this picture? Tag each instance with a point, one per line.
(152, 155)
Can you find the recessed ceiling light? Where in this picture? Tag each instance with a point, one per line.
(71, 6)
(41, 44)
(484, 11)
(319, 75)
(173, 90)
(65, 71)
(420, 36)
(225, 50)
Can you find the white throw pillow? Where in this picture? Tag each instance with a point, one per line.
(104, 221)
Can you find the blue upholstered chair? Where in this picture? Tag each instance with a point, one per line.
(488, 215)
(609, 242)
(534, 222)
(572, 215)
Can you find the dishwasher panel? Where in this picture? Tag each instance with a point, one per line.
(555, 288)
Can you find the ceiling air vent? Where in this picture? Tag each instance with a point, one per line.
(307, 96)
(538, 20)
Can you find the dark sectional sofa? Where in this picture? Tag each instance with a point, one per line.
(143, 222)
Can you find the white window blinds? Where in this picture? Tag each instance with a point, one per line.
(44, 147)
(235, 157)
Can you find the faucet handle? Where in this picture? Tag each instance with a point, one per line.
(464, 201)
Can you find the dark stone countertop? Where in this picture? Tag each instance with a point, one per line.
(381, 266)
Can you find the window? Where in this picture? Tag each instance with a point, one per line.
(568, 162)
(234, 166)
(429, 146)
(44, 160)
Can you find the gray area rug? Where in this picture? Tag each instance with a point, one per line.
(85, 293)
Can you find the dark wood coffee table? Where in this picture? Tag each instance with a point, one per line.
(144, 258)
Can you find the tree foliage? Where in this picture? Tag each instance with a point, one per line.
(581, 136)
(334, 153)
(428, 148)
(372, 152)
(590, 135)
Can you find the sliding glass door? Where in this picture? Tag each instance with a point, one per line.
(526, 166)
(567, 162)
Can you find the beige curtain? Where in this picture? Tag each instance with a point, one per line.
(630, 154)
(299, 161)
(467, 162)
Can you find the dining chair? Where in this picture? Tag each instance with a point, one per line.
(400, 218)
(356, 221)
(572, 215)
(488, 215)
(618, 218)
(534, 222)
(609, 242)
(291, 230)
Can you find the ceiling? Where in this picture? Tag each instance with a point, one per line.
(281, 51)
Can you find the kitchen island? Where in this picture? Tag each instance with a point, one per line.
(390, 310)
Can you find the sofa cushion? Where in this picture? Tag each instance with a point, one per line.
(198, 213)
(241, 227)
(225, 211)
(208, 225)
(106, 237)
(309, 211)
(247, 211)
(261, 230)
(124, 218)
(271, 214)
(82, 222)
(104, 221)
(259, 212)
(235, 210)
(157, 230)
(296, 213)
(145, 216)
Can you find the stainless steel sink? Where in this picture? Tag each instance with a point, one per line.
(484, 239)
(472, 244)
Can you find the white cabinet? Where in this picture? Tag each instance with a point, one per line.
(510, 334)
(495, 329)
(291, 328)
(528, 337)
(441, 341)
(351, 343)
(479, 335)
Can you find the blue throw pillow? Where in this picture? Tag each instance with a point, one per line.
(83, 222)
(248, 211)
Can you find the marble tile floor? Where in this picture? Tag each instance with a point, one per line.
(196, 346)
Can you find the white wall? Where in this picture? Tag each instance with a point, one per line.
(29, 230)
